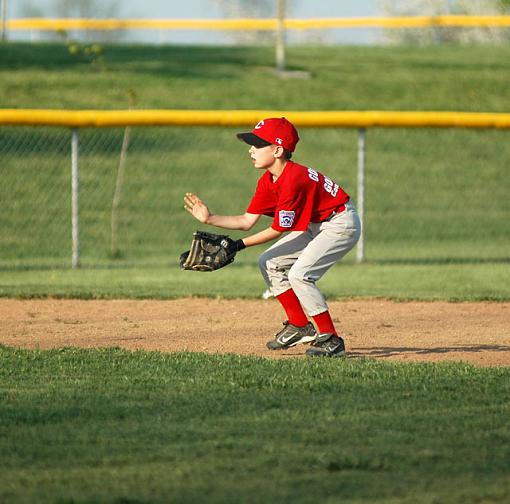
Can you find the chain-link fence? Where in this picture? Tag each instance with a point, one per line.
(431, 194)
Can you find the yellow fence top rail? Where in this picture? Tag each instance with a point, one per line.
(253, 23)
(317, 119)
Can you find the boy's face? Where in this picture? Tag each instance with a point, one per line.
(264, 157)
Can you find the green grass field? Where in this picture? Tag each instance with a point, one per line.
(467, 78)
(437, 204)
(114, 426)
(87, 426)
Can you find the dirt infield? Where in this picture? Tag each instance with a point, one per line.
(478, 333)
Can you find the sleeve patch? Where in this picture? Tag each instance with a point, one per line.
(286, 218)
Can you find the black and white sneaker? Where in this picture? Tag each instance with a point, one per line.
(327, 345)
(292, 335)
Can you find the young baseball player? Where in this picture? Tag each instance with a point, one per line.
(314, 224)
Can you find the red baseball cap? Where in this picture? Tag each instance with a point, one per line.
(272, 131)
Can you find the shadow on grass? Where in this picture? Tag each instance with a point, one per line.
(176, 60)
(393, 351)
(134, 265)
(441, 260)
(171, 264)
(63, 267)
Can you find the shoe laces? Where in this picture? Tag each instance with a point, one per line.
(322, 340)
(285, 325)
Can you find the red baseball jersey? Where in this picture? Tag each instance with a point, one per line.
(300, 195)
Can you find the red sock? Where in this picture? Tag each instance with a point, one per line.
(293, 308)
(324, 323)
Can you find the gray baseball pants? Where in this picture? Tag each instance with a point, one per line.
(300, 258)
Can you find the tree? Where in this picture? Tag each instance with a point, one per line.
(444, 34)
(505, 5)
(251, 9)
(77, 9)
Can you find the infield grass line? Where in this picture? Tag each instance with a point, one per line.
(482, 281)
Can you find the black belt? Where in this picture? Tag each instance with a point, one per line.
(339, 210)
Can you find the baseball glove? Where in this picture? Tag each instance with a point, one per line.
(210, 252)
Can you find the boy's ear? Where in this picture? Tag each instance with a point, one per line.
(279, 152)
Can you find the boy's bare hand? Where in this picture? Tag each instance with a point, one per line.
(196, 207)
